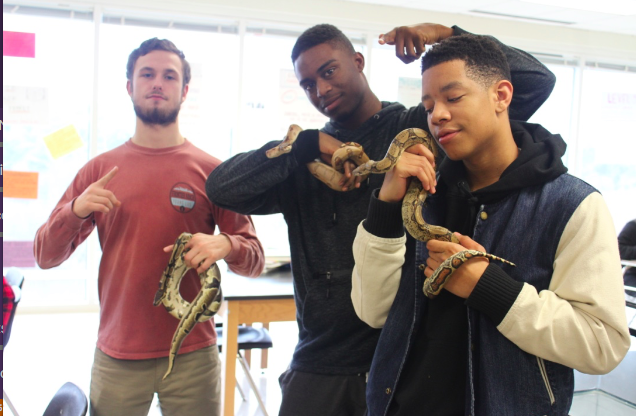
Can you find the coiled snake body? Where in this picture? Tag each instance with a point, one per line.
(412, 205)
(203, 307)
(329, 175)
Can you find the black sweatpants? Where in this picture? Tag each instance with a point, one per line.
(307, 394)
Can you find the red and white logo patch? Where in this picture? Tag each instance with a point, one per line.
(182, 197)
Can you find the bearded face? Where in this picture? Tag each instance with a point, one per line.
(156, 88)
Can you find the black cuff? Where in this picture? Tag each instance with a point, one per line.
(457, 31)
(384, 219)
(306, 147)
(495, 293)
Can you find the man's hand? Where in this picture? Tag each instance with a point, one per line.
(416, 161)
(203, 250)
(328, 145)
(465, 278)
(410, 41)
(96, 197)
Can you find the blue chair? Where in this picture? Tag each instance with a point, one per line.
(69, 400)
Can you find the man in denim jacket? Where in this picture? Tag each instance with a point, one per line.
(500, 340)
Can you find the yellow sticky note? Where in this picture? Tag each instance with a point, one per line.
(20, 184)
(63, 141)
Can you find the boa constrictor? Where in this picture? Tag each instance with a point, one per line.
(412, 205)
(329, 175)
(204, 306)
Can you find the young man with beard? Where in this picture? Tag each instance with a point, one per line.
(327, 375)
(498, 340)
(141, 196)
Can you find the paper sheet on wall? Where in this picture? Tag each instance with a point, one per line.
(21, 184)
(294, 105)
(63, 142)
(25, 105)
(19, 44)
(17, 254)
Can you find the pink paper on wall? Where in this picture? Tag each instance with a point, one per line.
(18, 44)
(17, 254)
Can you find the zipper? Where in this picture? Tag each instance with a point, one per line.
(326, 275)
(546, 381)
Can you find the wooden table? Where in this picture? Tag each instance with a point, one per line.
(268, 298)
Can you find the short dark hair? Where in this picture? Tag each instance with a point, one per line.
(156, 44)
(485, 61)
(319, 34)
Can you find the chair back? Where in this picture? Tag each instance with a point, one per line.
(248, 338)
(69, 400)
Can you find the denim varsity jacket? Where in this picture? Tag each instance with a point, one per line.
(506, 374)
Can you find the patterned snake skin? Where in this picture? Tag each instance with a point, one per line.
(203, 307)
(412, 205)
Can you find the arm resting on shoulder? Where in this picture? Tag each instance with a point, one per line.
(531, 80)
(580, 320)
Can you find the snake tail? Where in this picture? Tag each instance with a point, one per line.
(434, 284)
(199, 306)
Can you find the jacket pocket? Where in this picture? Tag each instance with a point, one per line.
(546, 380)
(328, 305)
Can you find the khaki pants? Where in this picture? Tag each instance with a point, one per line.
(127, 387)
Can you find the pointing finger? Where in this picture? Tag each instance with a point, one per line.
(110, 175)
(387, 38)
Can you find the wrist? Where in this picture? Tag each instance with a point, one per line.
(307, 146)
(444, 32)
(77, 212)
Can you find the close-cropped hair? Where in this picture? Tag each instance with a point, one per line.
(319, 34)
(156, 44)
(484, 60)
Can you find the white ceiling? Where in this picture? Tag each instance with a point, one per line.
(523, 11)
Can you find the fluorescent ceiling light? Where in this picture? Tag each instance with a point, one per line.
(620, 7)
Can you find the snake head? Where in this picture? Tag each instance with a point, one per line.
(363, 169)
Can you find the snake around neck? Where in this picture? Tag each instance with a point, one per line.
(204, 306)
(329, 175)
(414, 202)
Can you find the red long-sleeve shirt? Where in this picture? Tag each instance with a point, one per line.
(162, 194)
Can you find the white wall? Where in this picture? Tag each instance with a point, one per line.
(607, 47)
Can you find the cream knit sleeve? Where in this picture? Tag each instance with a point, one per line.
(376, 275)
(580, 320)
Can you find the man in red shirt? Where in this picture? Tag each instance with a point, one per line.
(141, 196)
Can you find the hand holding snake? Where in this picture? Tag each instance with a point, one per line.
(414, 199)
(205, 305)
(334, 175)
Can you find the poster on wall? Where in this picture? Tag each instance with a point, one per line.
(295, 108)
(26, 105)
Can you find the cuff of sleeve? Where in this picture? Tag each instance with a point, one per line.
(235, 250)
(457, 31)
(71, 220)
(495, 293)
(384, 219)
(306, 146)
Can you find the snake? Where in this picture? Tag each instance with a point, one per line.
(414, 202)
(329, 175)
(204, 306)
